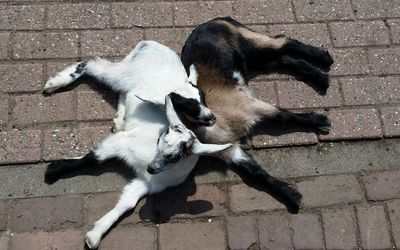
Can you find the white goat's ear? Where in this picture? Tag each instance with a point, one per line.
(152, 100)
(192, 75)
(199, 148)
(172, 116)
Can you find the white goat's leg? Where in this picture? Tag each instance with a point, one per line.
(119, 120)
(64, 77)
(128, 200)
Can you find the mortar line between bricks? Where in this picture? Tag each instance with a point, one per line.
(389, 222)
(385, 21)
(256, 224)
(353, 10)
(357, 226)
(294, 11)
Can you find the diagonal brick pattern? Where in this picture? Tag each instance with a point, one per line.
(349, 178)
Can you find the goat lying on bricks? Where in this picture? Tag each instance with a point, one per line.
(226, 54)
(150, 140)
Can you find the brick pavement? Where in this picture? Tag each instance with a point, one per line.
(349, 178)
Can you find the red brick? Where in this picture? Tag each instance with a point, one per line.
(274, 232)
(37, 108)
(4, 107)
(359, 33)
(395, 30)
(192, 201)
(172, 37)
(78, 16)
(367, 91)
(195, 13)
(24, 17)
(366, 9)
(245, 198)
(384, 61)
(374, 229)
(391, 121)
(110, 43)
(349, 62)
(4, 45)
(295, 94)
(138, 14)
(45, 45)
(394, 213)
(296, 138)
(192, 236)
(329, 190)
(20, 146)
(321, 10)
(242, 232)
(3, 215)
(353, 124)
(59, 213)
(21, 77)
(340, 229)
(43, 240)
(68, 143)
(307, 231)
(264, 91)
(96, 106)
(382, 186)
(128, 237)
(100, 204)
(315, 34)
(263, 11)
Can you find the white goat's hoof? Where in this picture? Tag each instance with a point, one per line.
(56, 82)
(118, 125)
(92, 239)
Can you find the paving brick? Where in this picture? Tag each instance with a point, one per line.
(110, 43)
(372, 90)
(264, 91)
(4, 45)
(263, 11)
(309, 10)
(174, 38)
(242, 232)
(3, 215)
(67, 143)
(195, 13)
(366, 9)
(47, 213)
(4, 242)
(100, 204)
(395, 30)
(192, 236)
(295, 94)
(296, 138)
(384, 61)
(359, 33)
(329, 190)
(78, 16)
(137, 14)
(37, 108)
(349, 62)
(353, 124)
(21, 77)
(315, 34)
(307, 231)
(245, 198)
(128, 237)
(43, 240)
(45, 45)
(192, 201)
(382, 186)
(4, 107)
(374, 229)
(274, 232)
(340, 228)
(96, 106)
(394, 213)
(15, 147)
(25, 17)
(391, 121)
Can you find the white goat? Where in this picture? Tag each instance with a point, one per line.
(151, 140)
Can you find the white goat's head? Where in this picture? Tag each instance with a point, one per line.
(177, 143)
